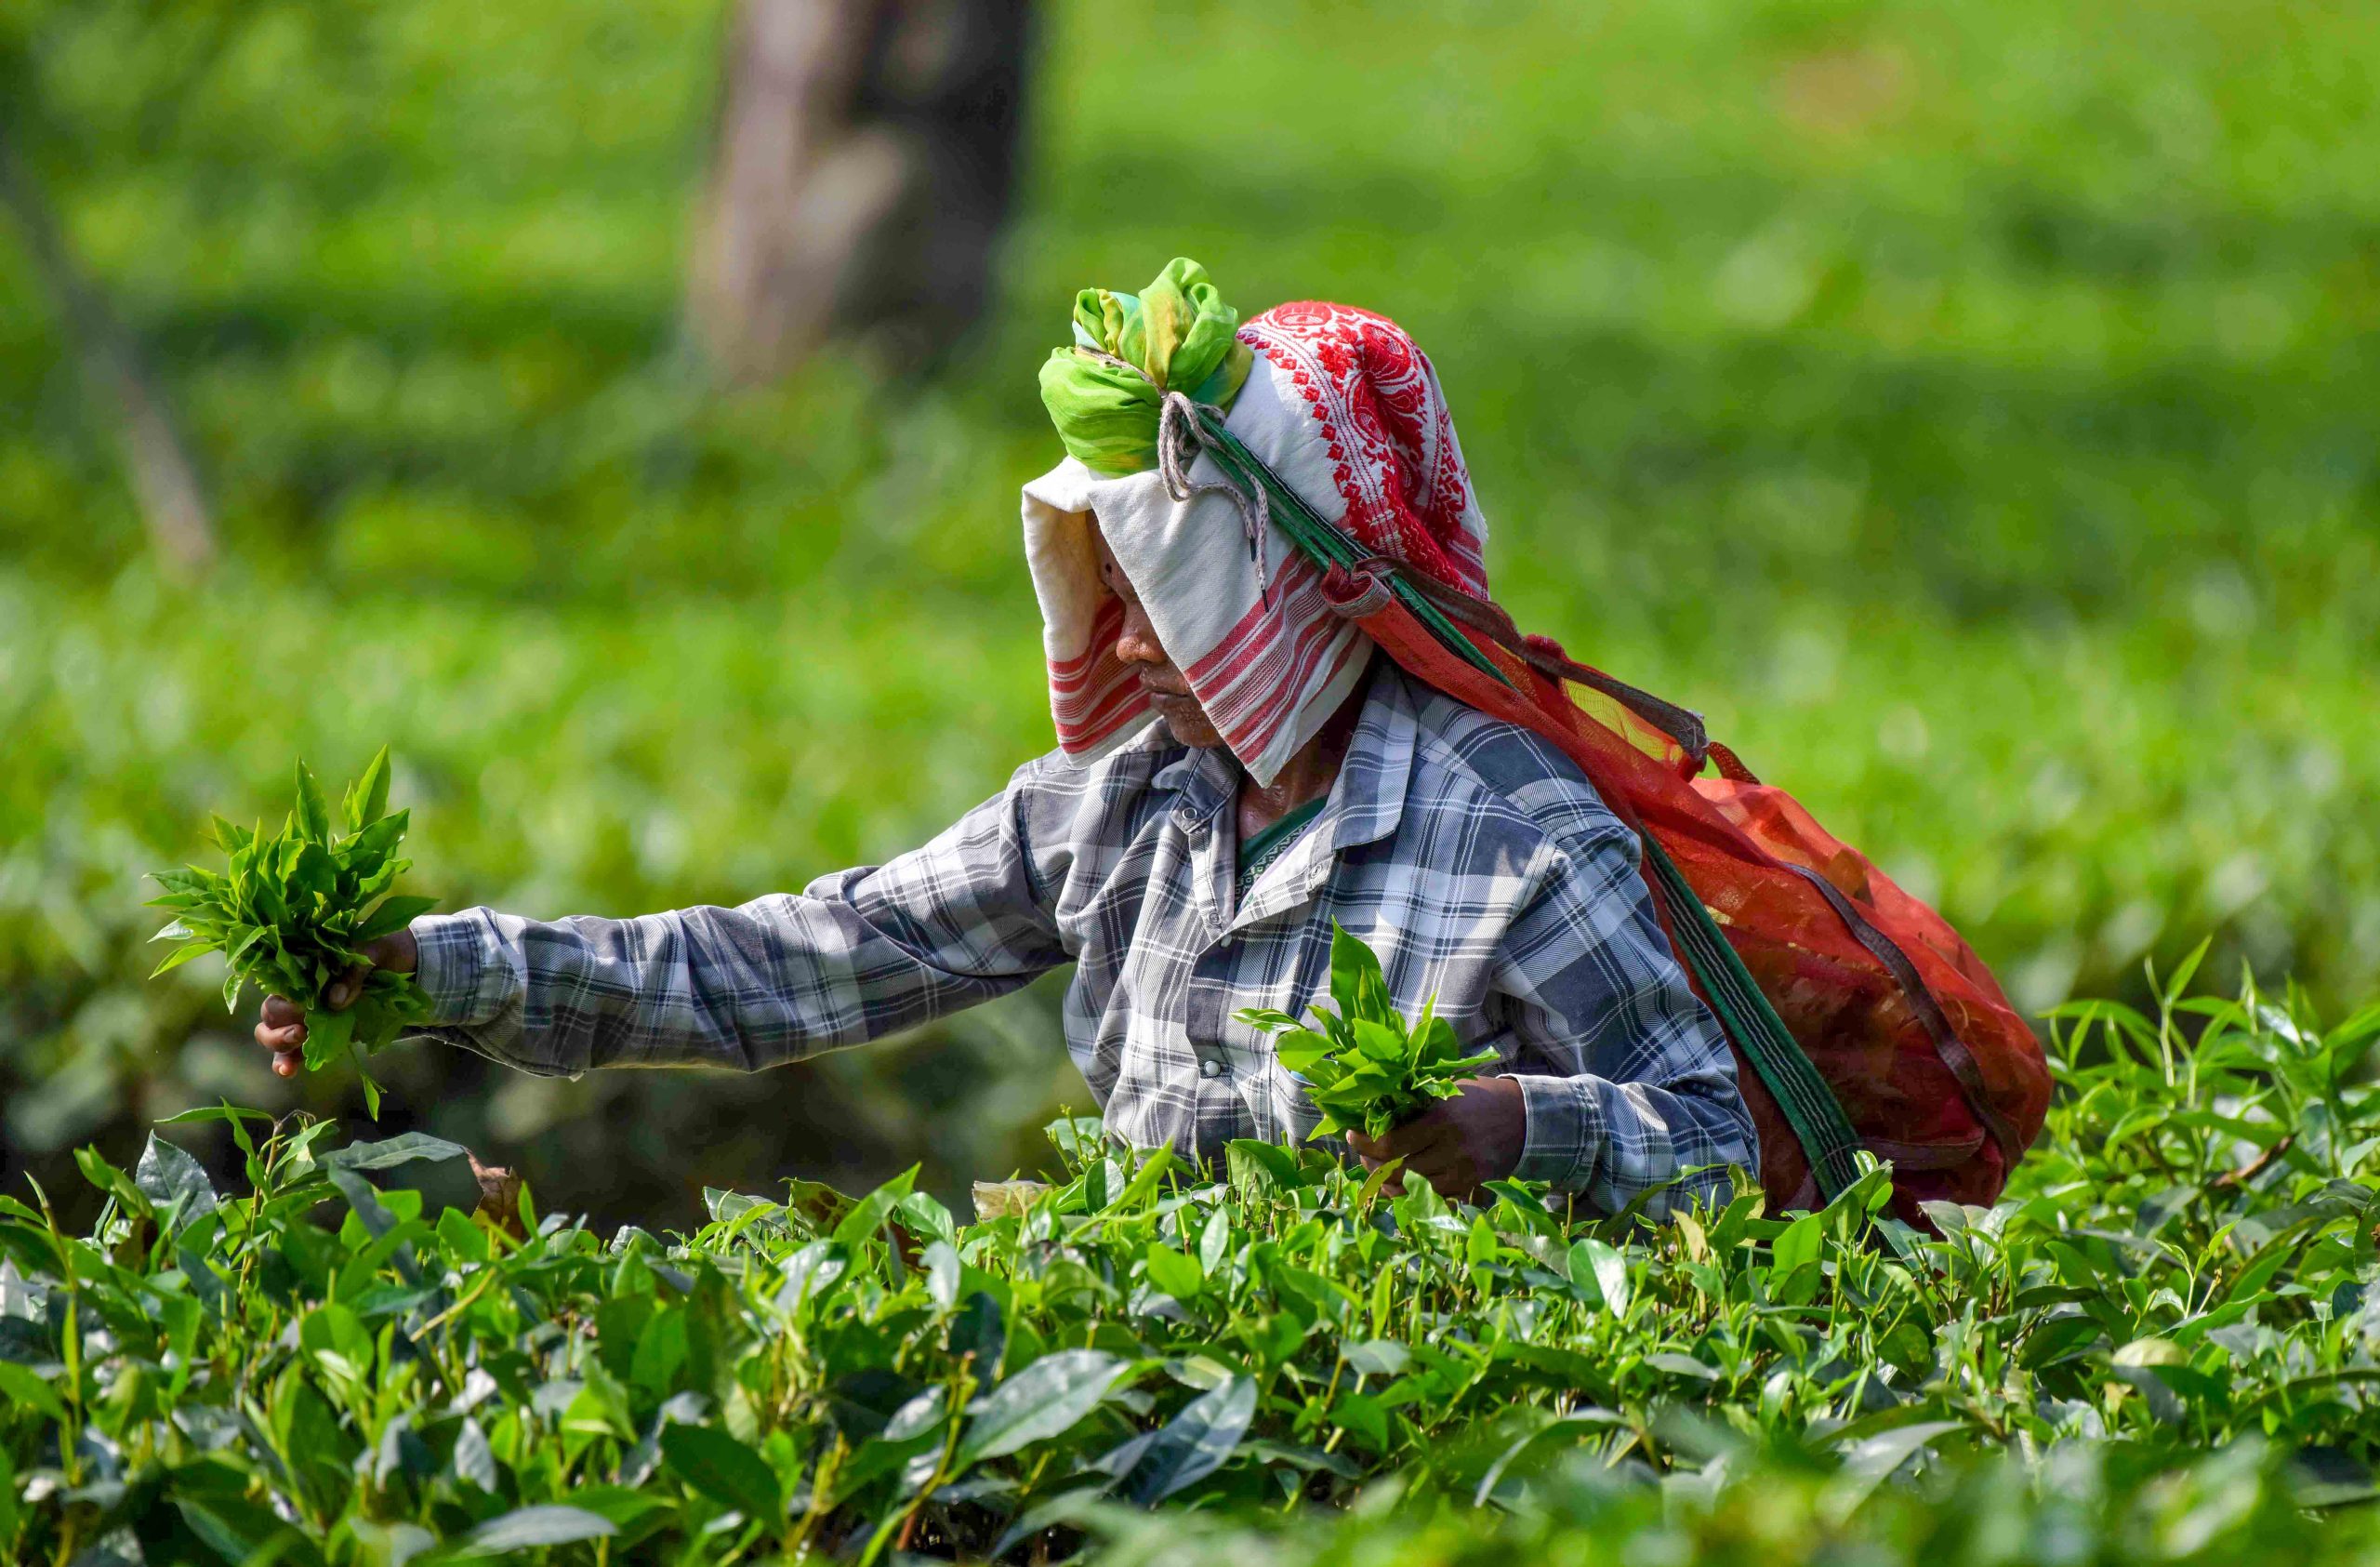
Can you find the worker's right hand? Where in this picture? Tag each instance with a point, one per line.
(281, 1025)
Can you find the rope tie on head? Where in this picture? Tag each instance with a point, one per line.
(1178, 445)
(1358, 592)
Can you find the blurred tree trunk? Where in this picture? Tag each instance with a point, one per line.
(164, 480)
(865, 158)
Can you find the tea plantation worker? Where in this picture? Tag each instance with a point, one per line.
(1235, 770)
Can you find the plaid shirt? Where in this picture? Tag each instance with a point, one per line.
(1472, 856)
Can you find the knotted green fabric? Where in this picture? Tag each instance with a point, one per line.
(1106, 392)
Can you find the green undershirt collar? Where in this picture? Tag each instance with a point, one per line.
(1270, 842)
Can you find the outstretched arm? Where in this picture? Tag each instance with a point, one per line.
(853, 956)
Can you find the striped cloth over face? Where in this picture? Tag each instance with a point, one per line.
(1468, 853)
(1341, 404)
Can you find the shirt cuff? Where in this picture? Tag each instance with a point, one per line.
(458, 967)
(1564, 1134)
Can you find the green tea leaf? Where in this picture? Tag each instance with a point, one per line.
(312, 875)
(526, 1529)
(1174, 1273)
(405, 1148)
(181, 955)
(367, 798)
(1040, 1401)
(296, 906)
(870, 1212)
(167, 1175)
(1356, 982)
(1364, 1068)
(1598, 1268)
(1264, 1019)
(216, 1112)
(107, 1178)
(725, 1469)
(314, 817)
(1380, 1041)
(328, 1034)
(368, 851)
(24, 1387)
(1195, 1444)
(392, 915)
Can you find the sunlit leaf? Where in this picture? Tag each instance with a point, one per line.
(1042, 1400)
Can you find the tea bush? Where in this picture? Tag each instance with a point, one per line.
(2164, 1343)
(2084, 1507)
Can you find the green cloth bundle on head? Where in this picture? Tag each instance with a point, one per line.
(1106, 392)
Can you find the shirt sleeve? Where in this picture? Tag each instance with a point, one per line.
(1626, 1079)
(853, 956)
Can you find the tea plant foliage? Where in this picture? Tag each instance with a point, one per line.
(2164, 1344)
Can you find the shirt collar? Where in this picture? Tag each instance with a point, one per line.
(1204, 780)
(1367, 800)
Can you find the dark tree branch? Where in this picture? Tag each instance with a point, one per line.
(164, 480)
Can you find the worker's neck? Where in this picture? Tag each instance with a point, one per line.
(1308, 773)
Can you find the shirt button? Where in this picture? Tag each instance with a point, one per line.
(1210, 1067)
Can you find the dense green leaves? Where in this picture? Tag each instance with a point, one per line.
(298, 907)
(1365, 1070)
(1197, 1443)
(2083, 1506)
(2162, 1343)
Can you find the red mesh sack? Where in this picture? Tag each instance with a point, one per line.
(1929, 1064)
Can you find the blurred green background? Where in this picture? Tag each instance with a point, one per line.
(1968, 406)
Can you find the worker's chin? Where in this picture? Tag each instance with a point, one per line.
(1189, 728)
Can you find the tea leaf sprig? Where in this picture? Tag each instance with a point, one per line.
(1363, 1067)
(295, 909)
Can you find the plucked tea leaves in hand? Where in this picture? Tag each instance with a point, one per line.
(1365, 1070)
(295, 909)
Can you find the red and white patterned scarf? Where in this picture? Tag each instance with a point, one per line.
(1347, 409)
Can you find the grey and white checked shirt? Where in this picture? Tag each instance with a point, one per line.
(1471, 856)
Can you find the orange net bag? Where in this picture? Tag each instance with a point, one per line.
(1926, 1063)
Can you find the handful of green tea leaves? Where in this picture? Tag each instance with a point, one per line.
(1365, 1068)
(298, 907)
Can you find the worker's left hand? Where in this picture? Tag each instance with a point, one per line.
(1456, 1143)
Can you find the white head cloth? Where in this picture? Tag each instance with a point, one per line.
(1347, 411)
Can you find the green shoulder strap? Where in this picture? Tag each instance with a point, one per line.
(1784, 1069)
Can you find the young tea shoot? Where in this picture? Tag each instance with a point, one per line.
(297, 907)
(1364, 1068)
